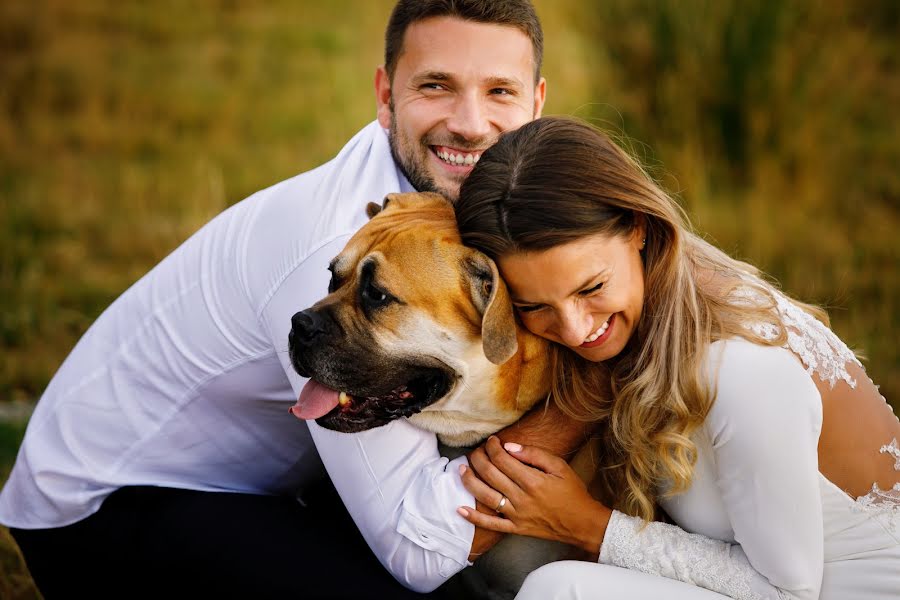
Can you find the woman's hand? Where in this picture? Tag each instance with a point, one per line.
(545, 500)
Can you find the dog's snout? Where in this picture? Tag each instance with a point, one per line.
(306, 326)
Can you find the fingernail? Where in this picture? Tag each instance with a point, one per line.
(462, 469)
(512, 447)
(462, 512)
(493, 437)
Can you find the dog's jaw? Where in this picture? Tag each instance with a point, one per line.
(459, 430)
(474, 408)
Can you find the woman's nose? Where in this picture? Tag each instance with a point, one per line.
(574, 326)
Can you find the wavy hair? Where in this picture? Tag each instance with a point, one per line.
(558, 179)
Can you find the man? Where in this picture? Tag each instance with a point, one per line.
(162, 459)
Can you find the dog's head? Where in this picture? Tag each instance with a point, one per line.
(415, 324)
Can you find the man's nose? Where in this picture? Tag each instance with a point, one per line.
(306, 326)
(469, 118)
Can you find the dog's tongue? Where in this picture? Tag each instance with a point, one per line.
(315, 400)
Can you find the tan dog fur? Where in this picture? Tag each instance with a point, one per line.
(502, 370)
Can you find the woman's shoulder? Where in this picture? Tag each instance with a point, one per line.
(756, 383)
(810, 339)
(740, 361)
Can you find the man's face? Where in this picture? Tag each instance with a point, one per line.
(457, 86)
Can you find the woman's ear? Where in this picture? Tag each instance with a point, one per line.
(639, 233)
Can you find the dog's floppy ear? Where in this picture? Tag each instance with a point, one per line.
(406, 200)
(498, 324)
(373, 208)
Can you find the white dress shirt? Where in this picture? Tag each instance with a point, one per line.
(185, 381)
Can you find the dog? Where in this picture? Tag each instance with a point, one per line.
(416, 325)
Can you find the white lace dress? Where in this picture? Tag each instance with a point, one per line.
(759, 521)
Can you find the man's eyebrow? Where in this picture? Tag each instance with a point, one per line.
(431, 76)
(500, 81)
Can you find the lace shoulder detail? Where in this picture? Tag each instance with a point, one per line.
(885, 501)
(820, 349)
(669, 551)
(892, 449)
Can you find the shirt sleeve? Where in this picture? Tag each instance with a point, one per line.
(764, 427)
(401, 493)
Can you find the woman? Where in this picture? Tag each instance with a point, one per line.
(730, 406)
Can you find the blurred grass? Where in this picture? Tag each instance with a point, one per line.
(777, 125)
(124, 126)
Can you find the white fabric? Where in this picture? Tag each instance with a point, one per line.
(758, 449)
(185, 381)
(759, 521)
(579, 580)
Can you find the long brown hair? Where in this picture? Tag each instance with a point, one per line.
(556, 180)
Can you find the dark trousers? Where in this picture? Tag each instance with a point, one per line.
(170, 543)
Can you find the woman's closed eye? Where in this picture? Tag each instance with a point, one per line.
(528, 308)
(592, 290)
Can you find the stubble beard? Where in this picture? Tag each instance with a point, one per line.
(410, 164)
(413, 162)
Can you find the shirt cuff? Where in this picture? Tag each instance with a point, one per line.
(428, 515)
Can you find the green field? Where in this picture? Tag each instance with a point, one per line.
(124, 126)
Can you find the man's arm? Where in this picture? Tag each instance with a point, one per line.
(545, 426)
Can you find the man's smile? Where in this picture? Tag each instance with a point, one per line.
(456, 157)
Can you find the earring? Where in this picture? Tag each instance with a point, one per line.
(643, 242)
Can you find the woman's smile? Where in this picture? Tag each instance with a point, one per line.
(601, 335)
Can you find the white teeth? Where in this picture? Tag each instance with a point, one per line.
(458, 159)
(343, 399)
(600, 331)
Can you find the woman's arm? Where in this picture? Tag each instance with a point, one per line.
(764, 429)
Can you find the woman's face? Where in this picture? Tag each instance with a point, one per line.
(586, 295)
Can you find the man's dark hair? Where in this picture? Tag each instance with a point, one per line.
(514, 13)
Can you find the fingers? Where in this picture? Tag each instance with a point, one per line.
(482, 460)
(512, 467)
(484, 521)
(537, 457)
(482, 492)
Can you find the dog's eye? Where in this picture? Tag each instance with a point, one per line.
(374, 297)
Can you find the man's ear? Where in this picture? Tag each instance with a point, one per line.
(489, 294)
(383, 97)
(540, 95)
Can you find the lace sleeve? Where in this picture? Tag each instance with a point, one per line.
(668, 551)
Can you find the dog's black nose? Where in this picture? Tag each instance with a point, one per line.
(306, 326)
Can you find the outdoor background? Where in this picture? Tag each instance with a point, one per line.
(125, 125)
